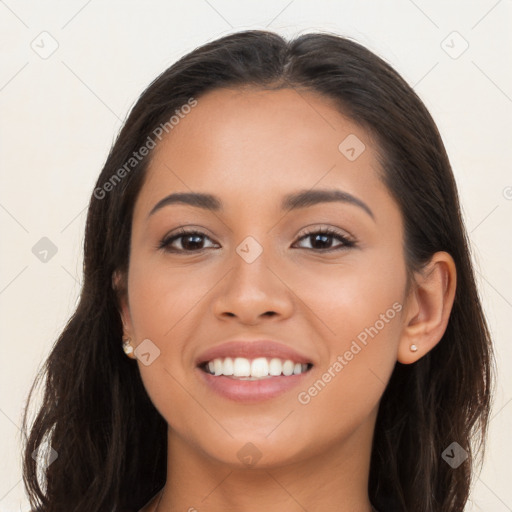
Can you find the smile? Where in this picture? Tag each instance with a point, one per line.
(254, 369)
(249, 371)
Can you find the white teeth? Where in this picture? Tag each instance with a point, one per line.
(275, 367)
(259, 368)
(228, 367)
(241, 367)
(288, 367)
(217, 366)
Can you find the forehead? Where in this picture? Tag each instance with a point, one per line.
(261, 142)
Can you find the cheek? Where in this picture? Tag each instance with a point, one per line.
(164, 301)
(161, 295)
(160, 299)
(345, 390)
(360, 311)
(344, 299)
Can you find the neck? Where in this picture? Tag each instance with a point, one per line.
(333, 479)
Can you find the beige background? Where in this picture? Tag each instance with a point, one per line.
(60, 112)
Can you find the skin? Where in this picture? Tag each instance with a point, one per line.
(251, 147)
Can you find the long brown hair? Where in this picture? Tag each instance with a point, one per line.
(110, 439)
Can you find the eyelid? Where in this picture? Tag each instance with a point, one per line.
(315, 228)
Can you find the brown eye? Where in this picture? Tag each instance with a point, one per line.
(322, 240)
(190, 241)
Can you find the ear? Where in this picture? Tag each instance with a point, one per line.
(428, 307)
(120, 287)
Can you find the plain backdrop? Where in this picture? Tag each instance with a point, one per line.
(69, 74)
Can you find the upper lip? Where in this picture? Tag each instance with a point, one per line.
(252, 350)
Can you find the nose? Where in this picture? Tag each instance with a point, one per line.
(251, 292)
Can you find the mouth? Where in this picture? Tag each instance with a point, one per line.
(259, 368)
(252, 371)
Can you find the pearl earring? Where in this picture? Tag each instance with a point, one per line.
(127, 347)
(413, 348)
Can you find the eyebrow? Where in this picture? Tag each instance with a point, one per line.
(295, 201)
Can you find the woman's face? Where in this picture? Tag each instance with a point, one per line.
(260, 270)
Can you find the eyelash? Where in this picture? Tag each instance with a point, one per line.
(346, 242)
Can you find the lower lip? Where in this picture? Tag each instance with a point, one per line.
(251, 390)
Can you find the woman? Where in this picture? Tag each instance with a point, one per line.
(276, 243)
